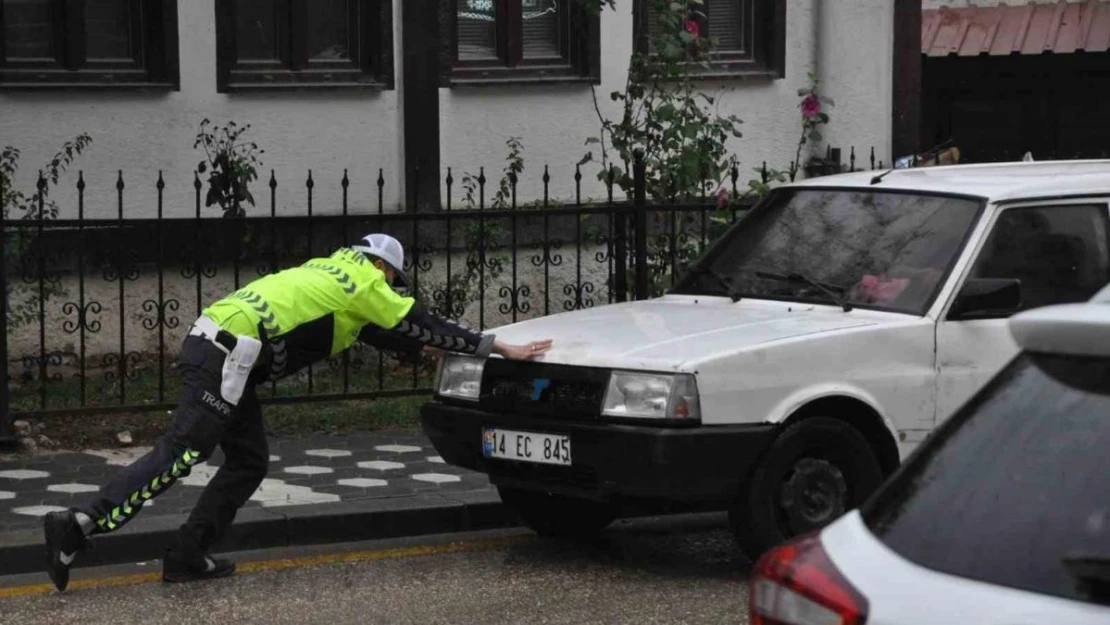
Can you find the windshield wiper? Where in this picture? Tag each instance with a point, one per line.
(1093, 574)
(798, 278)
(721, 279)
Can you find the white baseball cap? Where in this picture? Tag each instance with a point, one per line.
(389, 250)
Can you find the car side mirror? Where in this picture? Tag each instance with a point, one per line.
(987, 298)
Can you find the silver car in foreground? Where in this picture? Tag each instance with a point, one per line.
(1002, 517)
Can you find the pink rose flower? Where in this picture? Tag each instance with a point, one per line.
(722, 198)
(692, 27)
(811, 106)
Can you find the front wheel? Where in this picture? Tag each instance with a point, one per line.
(815, 471)
(558, 515)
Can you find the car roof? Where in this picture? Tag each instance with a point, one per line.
(993, 181)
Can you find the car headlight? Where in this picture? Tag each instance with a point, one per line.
(652, 396)
(460, 377)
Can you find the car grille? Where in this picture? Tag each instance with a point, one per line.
(542, 389)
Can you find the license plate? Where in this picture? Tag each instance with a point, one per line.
(526, 446)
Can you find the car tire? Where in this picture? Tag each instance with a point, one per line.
(554, 515)
(816, 470)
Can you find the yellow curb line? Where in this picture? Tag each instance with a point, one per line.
(281, 564)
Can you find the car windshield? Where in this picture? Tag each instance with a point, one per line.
(1013, 489)
(876, 249)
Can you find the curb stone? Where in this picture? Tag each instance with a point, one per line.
(258, 528)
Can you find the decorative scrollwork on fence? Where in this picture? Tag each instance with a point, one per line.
(85, 321)
(421, 261)
(159, 317)
(111, 364)
(194, 261)
(124, 264)
(546, 256)
(29, 269)
(131, 370)
(494, 264)
(516, 303)
(578, 294)
(605, 254)
(38, 367)
(449, 303)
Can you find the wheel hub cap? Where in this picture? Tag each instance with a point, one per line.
(814, 495)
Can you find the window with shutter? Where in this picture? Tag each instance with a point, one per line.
(477, 30)
(273, 44)
(541, 28)
(748, 36)
(505, 41)
(88, 43)
(727, 24)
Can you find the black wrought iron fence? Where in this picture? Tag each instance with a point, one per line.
(97, 306)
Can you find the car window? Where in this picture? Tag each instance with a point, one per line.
(1013, 483)
(889, 250)
(1058, 252)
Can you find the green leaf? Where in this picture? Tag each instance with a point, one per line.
(803, 93)
(815, 136)
(590, 140)
(686, 37)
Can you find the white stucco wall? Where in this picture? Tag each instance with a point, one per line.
(142, 133)
(330, 131)
(554, 122)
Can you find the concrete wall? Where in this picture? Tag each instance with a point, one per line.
(327, 132)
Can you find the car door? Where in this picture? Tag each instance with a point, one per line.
(1058, 251)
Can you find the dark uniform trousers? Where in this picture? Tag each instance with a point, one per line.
(202, 420)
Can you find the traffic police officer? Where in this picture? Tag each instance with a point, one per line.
(269, 329)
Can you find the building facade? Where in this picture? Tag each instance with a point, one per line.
(364, 86)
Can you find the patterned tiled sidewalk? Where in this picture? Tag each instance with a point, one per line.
(314, 471)
(323, 476)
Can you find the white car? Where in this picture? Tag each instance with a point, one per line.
(795, 365)
(1001, 518)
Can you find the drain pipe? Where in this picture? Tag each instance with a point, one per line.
(818, 16)
(8, 438)
(818, 29)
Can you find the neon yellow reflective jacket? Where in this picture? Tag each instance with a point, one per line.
(313, 311)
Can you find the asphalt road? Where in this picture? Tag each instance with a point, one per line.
(676, 570)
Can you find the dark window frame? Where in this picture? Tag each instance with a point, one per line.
(767, 35)
(370, 24)
(580, 61)
(154, 53)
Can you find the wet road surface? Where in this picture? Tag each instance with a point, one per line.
(672, 570)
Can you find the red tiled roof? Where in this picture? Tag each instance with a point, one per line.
(1062, 27)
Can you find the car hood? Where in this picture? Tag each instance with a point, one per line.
(674, 333)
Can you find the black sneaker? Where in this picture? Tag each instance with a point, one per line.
(178, 569)
(64, 539)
